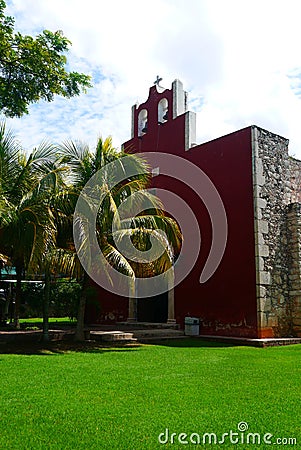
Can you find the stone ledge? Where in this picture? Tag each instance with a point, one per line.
(254, 342)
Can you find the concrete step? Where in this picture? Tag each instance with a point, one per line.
(141, 335)
(112, 336)
(157, 334)
(147, 325)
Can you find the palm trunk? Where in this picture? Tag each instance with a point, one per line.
(80, 326)
(18, 296)
(46, 299)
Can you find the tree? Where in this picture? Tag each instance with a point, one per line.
(60, 204)
(27, 226)
(32, 69)
(84, 164)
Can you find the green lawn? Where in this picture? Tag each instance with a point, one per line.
(124, 398)
(51, 319)
(37, 321)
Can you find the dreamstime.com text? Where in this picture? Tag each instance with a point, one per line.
(239, 436)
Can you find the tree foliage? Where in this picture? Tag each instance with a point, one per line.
(32, 69)
(27, 223)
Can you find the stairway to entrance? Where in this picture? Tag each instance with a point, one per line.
(137, 332)
(148, 325)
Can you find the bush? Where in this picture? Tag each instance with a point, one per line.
(31, 300)
(64, 299)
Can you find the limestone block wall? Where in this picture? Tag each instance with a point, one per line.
(293, 192)
(294, 268)
(276, 185)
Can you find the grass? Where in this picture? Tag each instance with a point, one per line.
(123, 398)
(37, 321)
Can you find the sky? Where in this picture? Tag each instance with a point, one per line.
(239, 61)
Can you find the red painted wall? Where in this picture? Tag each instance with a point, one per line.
(107, 308)
(226, 303)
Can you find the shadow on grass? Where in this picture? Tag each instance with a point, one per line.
(67, 346)
(189, 343)
(62, 347)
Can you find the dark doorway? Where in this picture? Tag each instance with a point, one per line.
(153, 309)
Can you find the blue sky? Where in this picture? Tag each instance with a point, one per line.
(240, 61)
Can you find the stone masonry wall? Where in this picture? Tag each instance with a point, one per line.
(293, 192)
(294, 268)
(276, 184)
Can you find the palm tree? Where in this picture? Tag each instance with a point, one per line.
(60, 211)
(83, 165)
(27, 227)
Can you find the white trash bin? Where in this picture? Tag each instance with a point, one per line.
(192, 326)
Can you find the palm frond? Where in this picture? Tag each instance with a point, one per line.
(63, 261)
(117, 260)
(156, 222)
(77, 156)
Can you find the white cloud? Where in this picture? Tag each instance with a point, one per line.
(235, 58)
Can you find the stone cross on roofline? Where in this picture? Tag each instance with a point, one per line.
(157, 81)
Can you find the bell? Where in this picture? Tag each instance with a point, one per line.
(165, 117)
(144, 129)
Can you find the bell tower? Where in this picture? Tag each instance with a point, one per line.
(163, 123)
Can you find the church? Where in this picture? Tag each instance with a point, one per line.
(250, 242)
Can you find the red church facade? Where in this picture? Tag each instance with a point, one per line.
(243, 295)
